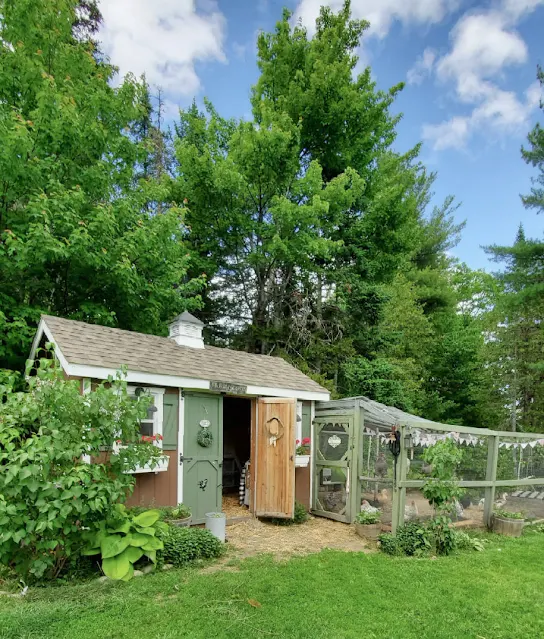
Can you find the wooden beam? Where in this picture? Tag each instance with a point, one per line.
(482, 483)
(491, 475)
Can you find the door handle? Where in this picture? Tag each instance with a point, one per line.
(182, 458)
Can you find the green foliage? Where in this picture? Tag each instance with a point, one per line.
(389, 544)
(443, 534)
(464, 541)
(506, 514)
(441, 489)
(300, 516)
(181, 511)
(123, 539)
(184, 545)
(79, 236)
(48, 494)
(415, 539)
(365, 517)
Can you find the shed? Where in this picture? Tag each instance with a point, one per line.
(255, 407)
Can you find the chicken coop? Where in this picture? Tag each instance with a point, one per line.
(367, 455)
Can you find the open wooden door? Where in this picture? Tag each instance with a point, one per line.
(275, 458)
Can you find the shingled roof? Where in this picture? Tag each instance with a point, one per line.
(111, 348)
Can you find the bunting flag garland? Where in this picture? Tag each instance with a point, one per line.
(421, 438)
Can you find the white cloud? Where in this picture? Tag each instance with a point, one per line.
(422, 68)
(483, 45)
(163, 39)
(380, 13)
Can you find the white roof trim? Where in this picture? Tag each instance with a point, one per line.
(44, 330)
(155, 379)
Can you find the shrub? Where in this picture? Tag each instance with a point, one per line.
(443, 535)
(389, 544)
(48, 494)
(365, 517)
(183, 545)
(123, 540)
(463, 541)
(415, 539)
(300, 516)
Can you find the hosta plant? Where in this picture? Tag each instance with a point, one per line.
(124, 539)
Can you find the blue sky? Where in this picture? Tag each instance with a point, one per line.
(470, 70)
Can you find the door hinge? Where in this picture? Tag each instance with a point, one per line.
(182, 458)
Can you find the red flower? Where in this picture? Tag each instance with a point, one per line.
(306, 441)
(298, 442)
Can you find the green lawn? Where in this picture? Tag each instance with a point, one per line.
(498, 593)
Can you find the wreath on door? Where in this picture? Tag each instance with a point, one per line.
(204, 436)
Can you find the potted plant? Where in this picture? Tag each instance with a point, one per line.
(180, 516)
(368, 523)
(507, 523)
(302, 458)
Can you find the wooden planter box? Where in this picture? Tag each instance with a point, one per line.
(368, 531)
(508, 527)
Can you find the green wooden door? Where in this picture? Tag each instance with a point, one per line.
(334, 473)
(202, 466)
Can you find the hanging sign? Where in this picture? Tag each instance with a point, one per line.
(334, 441)
(227, 387)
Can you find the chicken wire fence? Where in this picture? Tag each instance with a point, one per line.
(498, 469)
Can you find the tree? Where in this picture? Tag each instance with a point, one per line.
(518, 337)
(77, 236)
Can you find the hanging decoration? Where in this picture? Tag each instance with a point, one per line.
(422, 438)
(204, 436)
(275, 429)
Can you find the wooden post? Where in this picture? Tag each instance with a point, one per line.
(399, 490)
(354, 466)
(491, 475)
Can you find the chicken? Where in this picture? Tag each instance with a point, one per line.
(411, 511)
(459, 510)
(367, 508)
(499, 503)
(383, 496)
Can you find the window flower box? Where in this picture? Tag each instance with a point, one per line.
(160, 467)
(302, 461)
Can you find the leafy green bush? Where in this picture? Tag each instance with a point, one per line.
(48, 494)
(365, 517)
(415, 539)
(463, 541)
(123, 540)
(300, 516)
(442, 490)
(183, 545)
(389, 544)
(442, 534)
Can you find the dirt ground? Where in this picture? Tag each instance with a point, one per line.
(253, 537)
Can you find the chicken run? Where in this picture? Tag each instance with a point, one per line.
(368, 456)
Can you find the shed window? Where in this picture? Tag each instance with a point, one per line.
(152, 424)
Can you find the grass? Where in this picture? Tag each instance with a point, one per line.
(498, 593)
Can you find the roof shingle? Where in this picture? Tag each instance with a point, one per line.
(94, 345)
